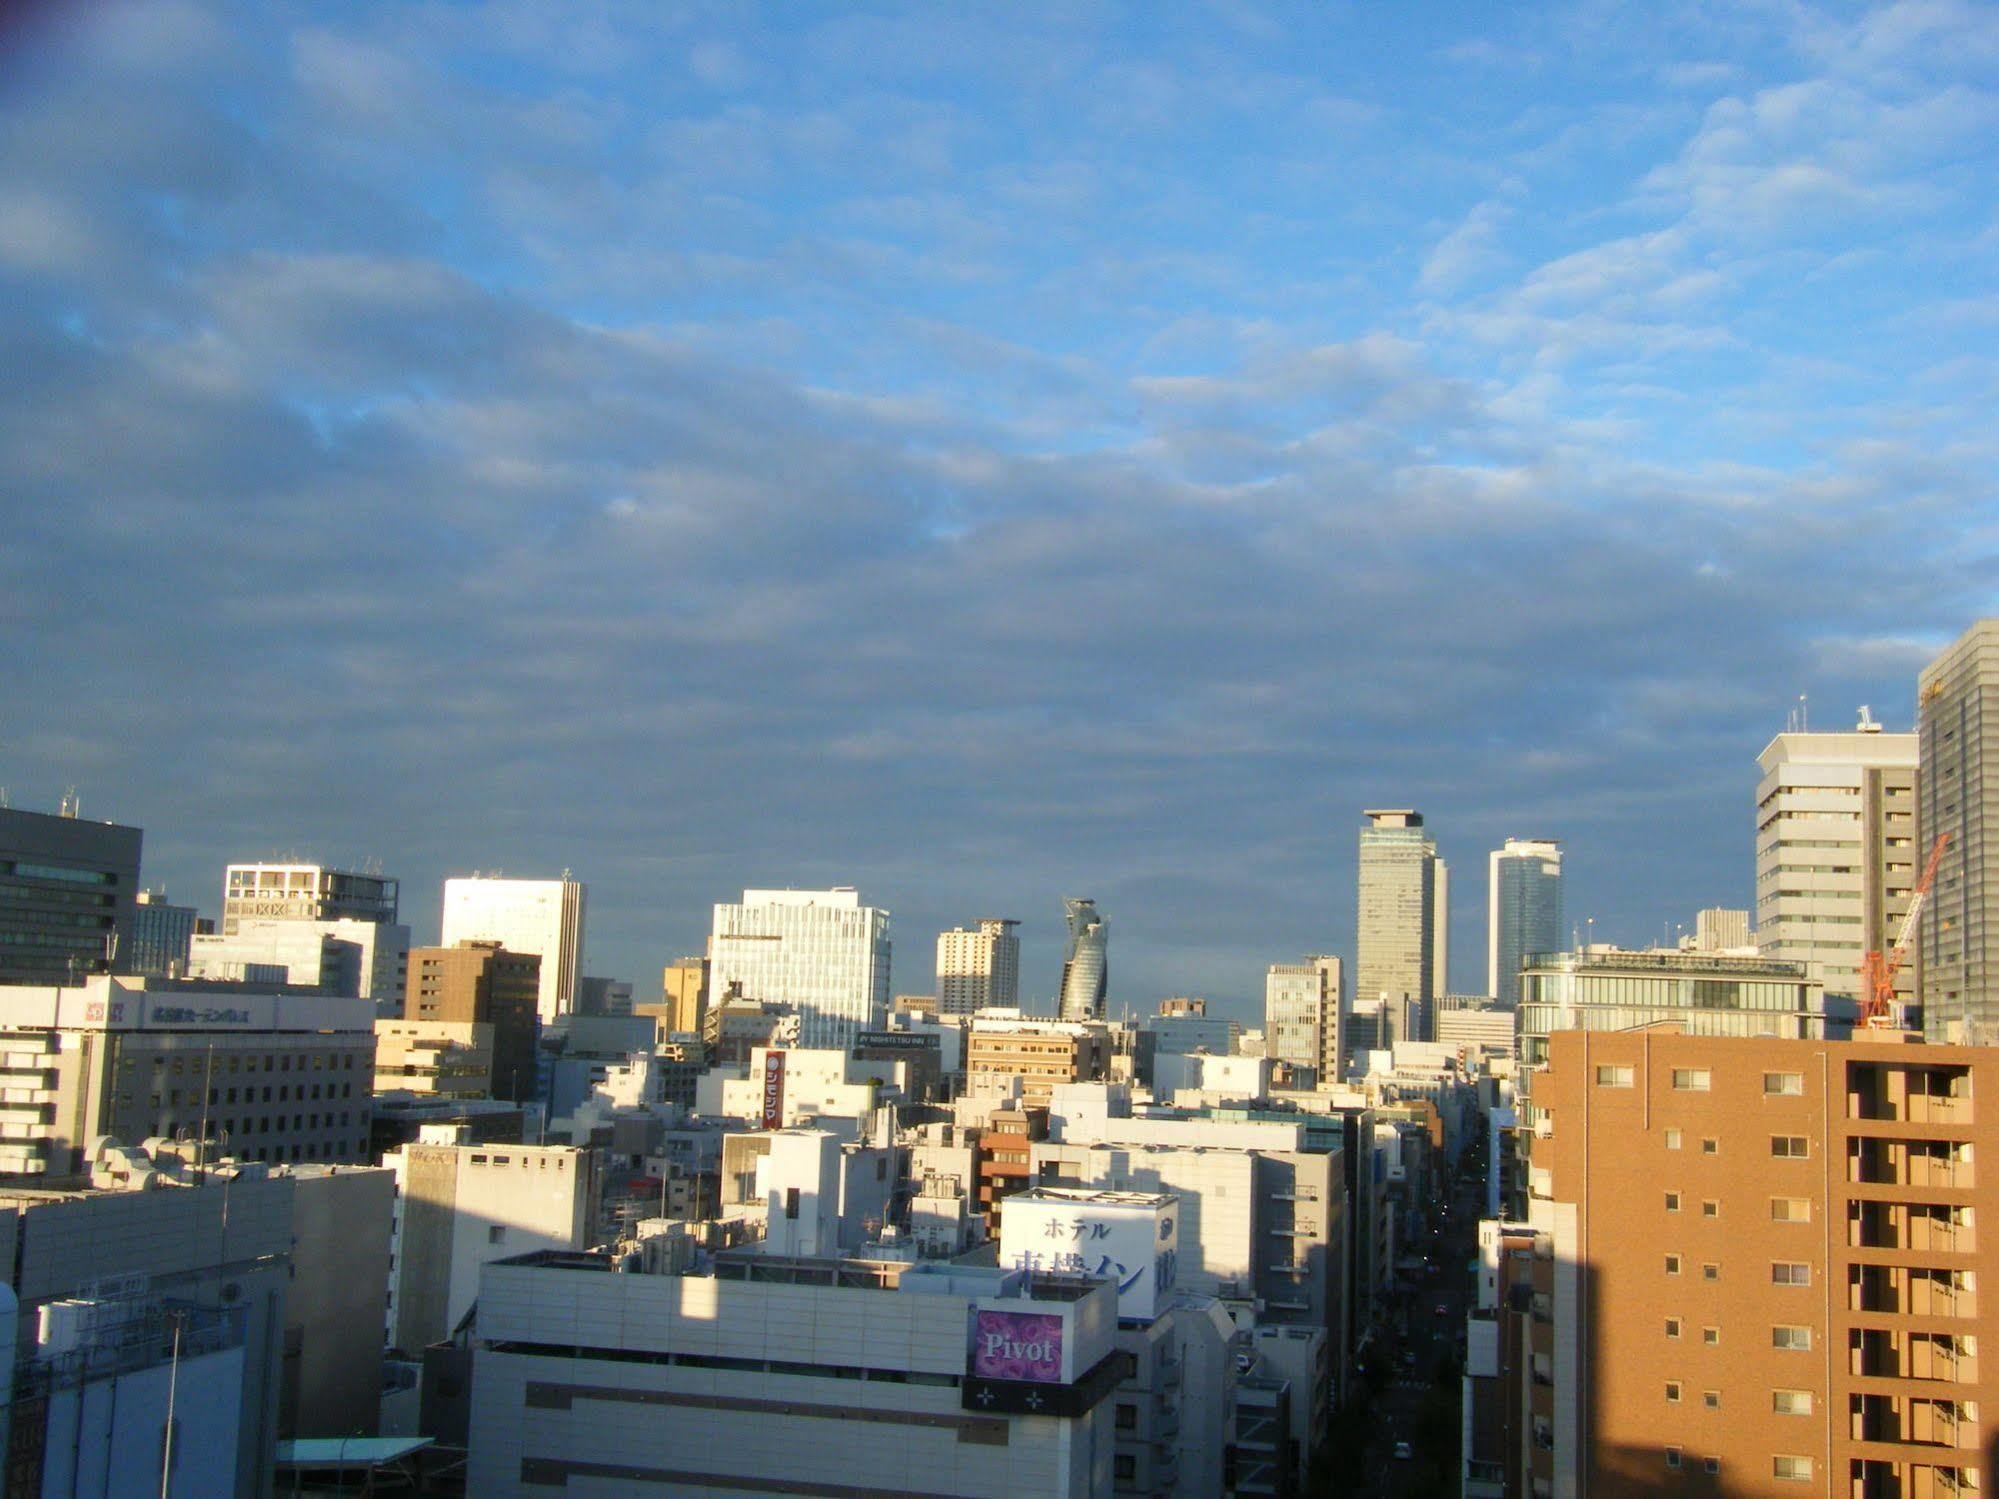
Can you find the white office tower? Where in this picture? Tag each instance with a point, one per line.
(1836, 854)
(820, 951)
(1523, 911)
(978, 967)
(542, 917)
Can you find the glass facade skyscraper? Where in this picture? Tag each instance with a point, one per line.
(1085, 962)
(1524, 911)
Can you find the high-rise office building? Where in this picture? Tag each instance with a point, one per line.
(543, 917)
(1836, 855)
(820, 951)
(68, 889)
(1398, 944)
(978, 968)
(1523, 911)
(1304, 1016)
(161, 932)
(1758, 1271)
(279, 913)
(1086, 962)
(483, 982)
(1959, 732)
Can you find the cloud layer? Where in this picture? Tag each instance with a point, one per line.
(982, 457)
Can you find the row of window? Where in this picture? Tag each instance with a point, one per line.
(1789, 1467)
(1782, 1272)
(1701, 1080)
(1789, 1336)
(320, 1062)
(1782, 1402)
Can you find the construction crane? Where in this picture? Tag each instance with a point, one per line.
(1878, 969)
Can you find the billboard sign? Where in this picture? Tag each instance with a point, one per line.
(1021, 1346)
(1134, 1243)
(773, 1114)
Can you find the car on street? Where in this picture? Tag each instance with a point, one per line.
(1443, 1310)
(1404, 1452)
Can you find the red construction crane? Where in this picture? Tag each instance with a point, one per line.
(1878, 970)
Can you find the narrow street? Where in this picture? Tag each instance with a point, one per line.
(1418, 1403)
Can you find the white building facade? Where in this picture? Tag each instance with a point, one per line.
(1836, 854)
(820, 951)
(793, 1375)
(543, 917)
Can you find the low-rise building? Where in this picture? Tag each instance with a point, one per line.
(445, 1058)
(460, 1205)
(1043, 1054)
(263, 1076)
(779, 1374)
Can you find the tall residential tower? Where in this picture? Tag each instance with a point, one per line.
(978, 968)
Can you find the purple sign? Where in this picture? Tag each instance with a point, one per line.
(1017, 1345)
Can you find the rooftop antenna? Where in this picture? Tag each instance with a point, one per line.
(1867, 725)
(72, 804)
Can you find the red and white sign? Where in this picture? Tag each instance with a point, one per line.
(773, 1090)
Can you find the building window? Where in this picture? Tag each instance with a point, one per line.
(1613, 1077)
(1792, 1469)
(1790, 1210)
(1790, 1084)
(1125, 1466)
(1790, 1273)
(1672, 1392)
(1672, 1139)
(1791, 1402)
(1672, 1264)
(1787, 1336)
(1790, 1147)
(1711, 1399)
(1711, 1464)
(496, 1234)
(1710, 1207)
(1710, 1272)
(1672, 1457)
(1127, 1417)
(1691, 1079)
(1711, 1336)
(1710, 1146)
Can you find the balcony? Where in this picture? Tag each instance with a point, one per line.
(1898, 1290)
(1892, 1092)
(1876, 1353)
(1916, 1227)
(1914, 1421)
(1878, 1160)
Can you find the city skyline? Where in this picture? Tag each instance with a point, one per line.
(711, 456)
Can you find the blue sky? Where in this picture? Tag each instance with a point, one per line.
(983, 453)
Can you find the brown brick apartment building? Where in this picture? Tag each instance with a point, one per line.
(1760, 1269)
